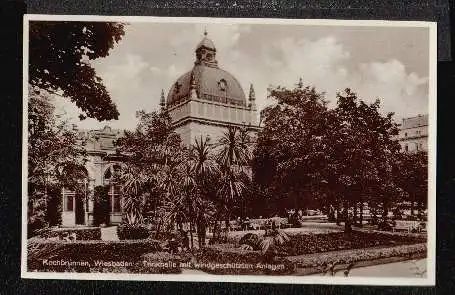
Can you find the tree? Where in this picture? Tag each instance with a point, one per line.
(153, 152)
(413, 178)
(364, 154)
(290, 157)
(53, 156)
(205, 170)
(309, 155)
(56, 62)
(233, 157)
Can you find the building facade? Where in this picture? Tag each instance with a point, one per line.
(413, 134)
(102, 161)
(202, 103)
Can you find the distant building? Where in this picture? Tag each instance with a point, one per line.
(102, 162)
(413, 134)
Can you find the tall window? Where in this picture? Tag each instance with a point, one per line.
(406, 148)
(68, 200)
(114, 198)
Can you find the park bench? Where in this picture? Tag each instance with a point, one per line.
(406, 225)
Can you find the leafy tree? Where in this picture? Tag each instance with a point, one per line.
(364, 153)
(53, 155)
(290, 156)
(413, 178)
(57, 53)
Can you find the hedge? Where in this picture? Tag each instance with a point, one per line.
(41, 251)
(319, 243)
(89, 233)
(132, 232)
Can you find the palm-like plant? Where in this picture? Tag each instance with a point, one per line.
(204, 167)
(273, 238)
(133, 181)
(234, 155)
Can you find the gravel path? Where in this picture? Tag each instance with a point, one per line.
(109, 233)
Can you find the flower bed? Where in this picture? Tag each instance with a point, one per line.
(85, 256)
(317, 243)
(86, 233)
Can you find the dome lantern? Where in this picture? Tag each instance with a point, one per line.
(206, 52)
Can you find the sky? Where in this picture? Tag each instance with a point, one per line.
(390, 63)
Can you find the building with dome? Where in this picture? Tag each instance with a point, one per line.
(202, 102)
(207, 99)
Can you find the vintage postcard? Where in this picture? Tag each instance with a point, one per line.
(243, 150)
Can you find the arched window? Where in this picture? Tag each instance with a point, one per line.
(406, 148)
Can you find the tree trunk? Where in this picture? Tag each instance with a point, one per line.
(412, 208)
(385, 211)
(361, 213)
(347, 219)
(355, 214)
(191, 235)
(337, 214)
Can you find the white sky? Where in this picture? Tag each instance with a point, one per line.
(391, 63)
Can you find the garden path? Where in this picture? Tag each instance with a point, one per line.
(109, 233)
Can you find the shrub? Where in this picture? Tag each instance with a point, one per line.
(92, 233)
(40, 250)
(132, 232)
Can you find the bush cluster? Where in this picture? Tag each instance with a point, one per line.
(132, 232)
(84, 234)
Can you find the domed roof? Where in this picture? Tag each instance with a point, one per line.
(211, 83)
(208, 80)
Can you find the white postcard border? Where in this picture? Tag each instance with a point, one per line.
(391, 281)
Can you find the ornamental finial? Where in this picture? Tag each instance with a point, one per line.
(162, 101)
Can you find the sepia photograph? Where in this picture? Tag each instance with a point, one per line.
(243, 150)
